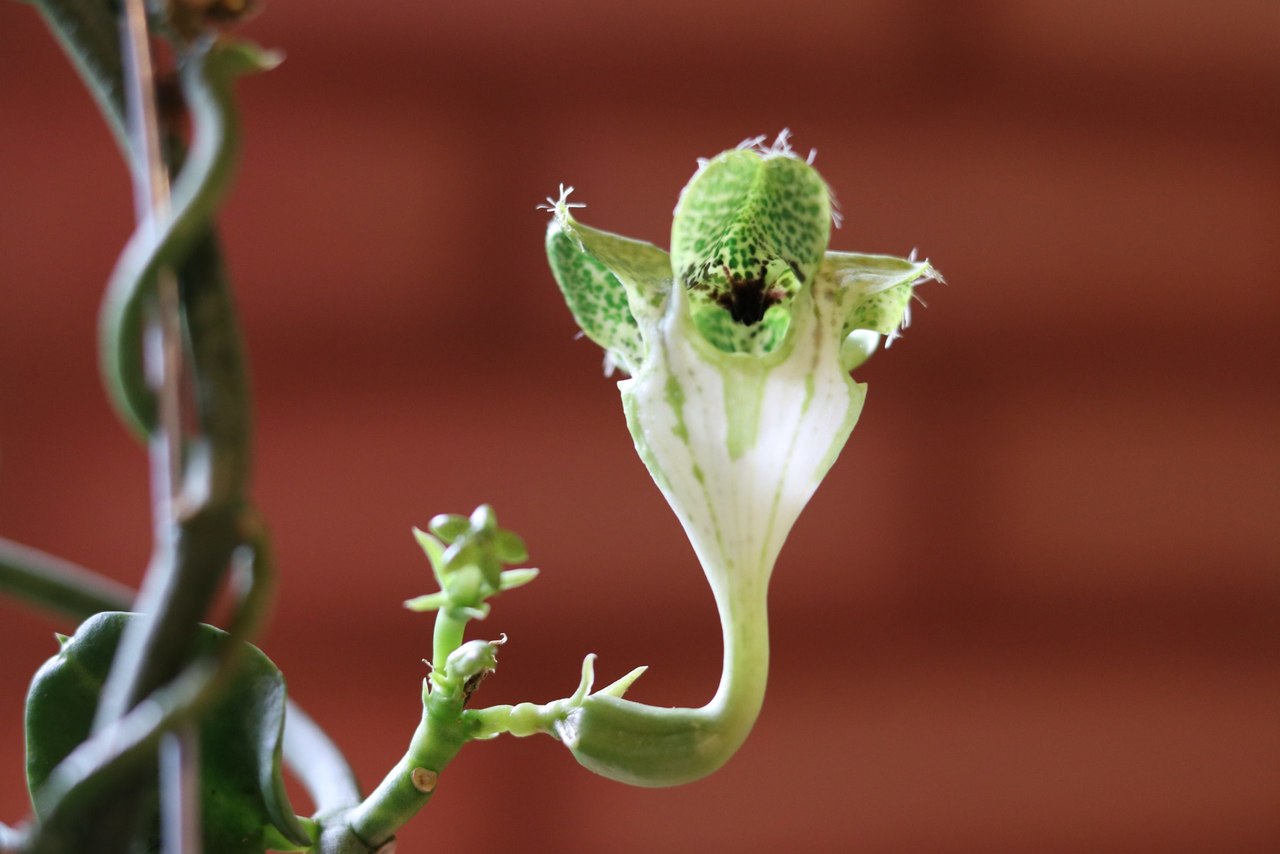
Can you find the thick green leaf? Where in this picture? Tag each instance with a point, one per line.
(241, 736)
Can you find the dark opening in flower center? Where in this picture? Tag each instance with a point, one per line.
(747, 300)
(746, 296)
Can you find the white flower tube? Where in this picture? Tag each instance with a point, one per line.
(739, 344)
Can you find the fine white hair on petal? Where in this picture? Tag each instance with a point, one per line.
(837, 216)
(894, 335)
(813, 154)
(702, 165)
(781, 146)
(932, 276)
(561, 205)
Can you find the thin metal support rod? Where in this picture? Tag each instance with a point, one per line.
(180, 749)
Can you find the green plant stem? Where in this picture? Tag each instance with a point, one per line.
(192, 555)
(183, 579)
(192, 543)
(57, 585)
(410, 784)
(650, 745)
(439, 736)
(447, 637)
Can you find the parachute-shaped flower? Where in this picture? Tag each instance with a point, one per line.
(738, 345)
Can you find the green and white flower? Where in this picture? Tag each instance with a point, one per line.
(738, 345)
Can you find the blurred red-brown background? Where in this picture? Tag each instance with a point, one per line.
(1033, 607)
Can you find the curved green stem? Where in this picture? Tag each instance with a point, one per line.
(208, 72)
(58, 585)
(654, 746)
(408, 787)
(191, 556)
(447, 637)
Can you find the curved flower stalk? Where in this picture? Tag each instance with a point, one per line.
(738, 344)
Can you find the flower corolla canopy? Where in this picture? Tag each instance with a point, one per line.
(738, 342)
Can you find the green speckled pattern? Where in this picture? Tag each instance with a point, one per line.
(603, 278)
(875, 290)
(749, 233)
(881, 312)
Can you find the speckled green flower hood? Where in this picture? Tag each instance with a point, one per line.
(750, 235)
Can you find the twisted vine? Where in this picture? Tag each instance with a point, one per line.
(210, 67)
(212, 505)
(152, 686)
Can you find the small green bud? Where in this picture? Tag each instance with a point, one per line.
(474, 541)
(449, 526)
(472, 659)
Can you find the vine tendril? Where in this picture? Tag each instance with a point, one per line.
(209, 69)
